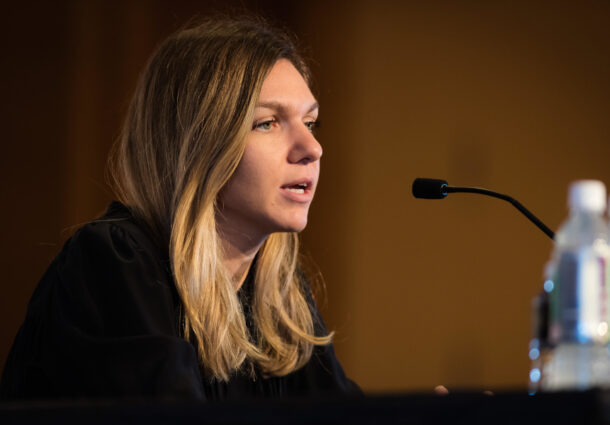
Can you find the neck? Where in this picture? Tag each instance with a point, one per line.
(239, 251)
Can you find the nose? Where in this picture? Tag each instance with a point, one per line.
(305, 147)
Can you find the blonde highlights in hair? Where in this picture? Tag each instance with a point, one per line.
(182, 140)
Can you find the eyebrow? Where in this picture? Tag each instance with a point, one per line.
(282, 108)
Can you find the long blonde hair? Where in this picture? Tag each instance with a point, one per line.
(182, 140)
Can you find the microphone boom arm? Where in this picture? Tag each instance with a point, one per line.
(516, 204)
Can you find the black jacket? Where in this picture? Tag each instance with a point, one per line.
(105, 319)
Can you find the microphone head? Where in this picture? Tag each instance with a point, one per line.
(429, 188)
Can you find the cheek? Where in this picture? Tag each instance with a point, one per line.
(251, 171)
(253, 177)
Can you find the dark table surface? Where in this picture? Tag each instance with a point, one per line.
(590, 407)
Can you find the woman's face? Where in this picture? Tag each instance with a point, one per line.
(274, 183)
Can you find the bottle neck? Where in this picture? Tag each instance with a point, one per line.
(587, 212)
(582, 227)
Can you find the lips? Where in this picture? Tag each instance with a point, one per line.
(300, 190)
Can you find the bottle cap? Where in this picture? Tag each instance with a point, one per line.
(587, 195)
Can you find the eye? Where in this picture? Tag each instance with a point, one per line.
(312, 125)
(264, 126)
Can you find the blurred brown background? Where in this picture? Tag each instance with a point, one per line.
(509, 95)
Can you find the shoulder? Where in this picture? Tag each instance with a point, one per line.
(113, 267)
(104, 321)
(117, 230)
(115, 239)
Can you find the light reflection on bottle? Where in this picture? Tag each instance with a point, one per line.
(535, 375)
(534, 353)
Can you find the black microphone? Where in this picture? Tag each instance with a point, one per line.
(438, 189)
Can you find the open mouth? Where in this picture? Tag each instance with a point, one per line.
(297, 188)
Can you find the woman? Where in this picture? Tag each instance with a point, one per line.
(190, 286)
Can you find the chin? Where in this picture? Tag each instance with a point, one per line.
(294, 228)
(294, 225)
(299, 229)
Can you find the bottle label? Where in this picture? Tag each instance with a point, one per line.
(579, 300)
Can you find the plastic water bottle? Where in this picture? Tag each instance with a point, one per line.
(577, 285)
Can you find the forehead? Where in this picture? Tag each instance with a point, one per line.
(285, 84)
